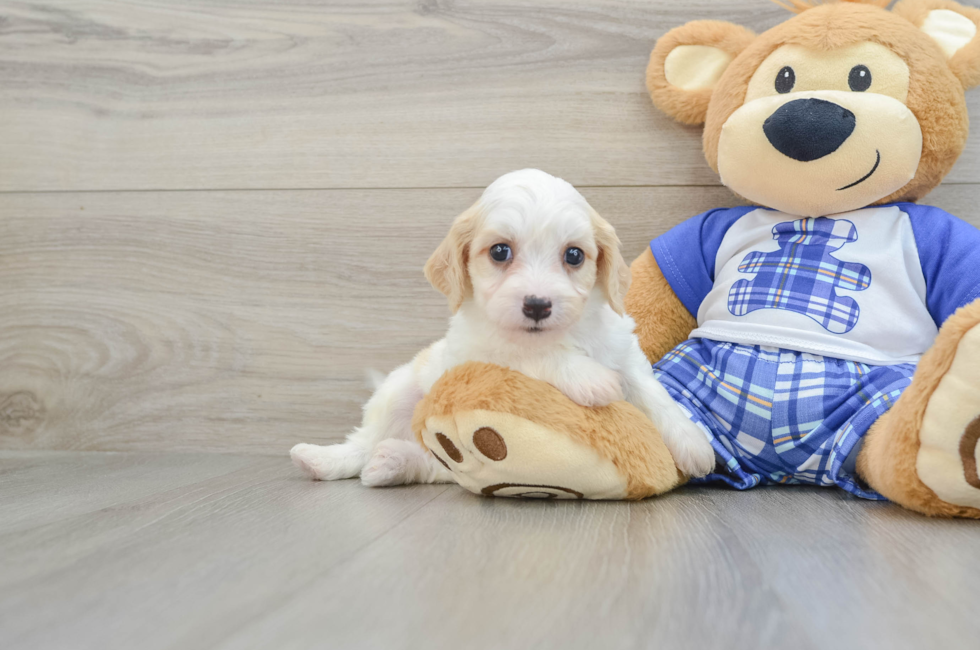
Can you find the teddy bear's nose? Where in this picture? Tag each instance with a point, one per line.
(808, 129)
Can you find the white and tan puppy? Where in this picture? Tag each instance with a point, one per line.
(536, 282)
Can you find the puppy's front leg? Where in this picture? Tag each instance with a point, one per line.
(686, 442)
(585, 381)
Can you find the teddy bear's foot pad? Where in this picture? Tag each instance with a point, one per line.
(948, 456)
(503, 455)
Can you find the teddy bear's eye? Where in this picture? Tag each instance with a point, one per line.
(860, 78)
(785, 80)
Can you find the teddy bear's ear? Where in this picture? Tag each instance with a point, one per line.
(955, 28)
(686, 63)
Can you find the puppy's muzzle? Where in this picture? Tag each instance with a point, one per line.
(536, 308)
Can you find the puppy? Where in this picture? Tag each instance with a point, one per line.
(536, 283)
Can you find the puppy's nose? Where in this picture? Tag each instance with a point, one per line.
(808, 129)
(537, 308)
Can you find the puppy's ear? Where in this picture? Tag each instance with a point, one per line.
(688, 61)
(446, 269)
(613, 273)
(954, 28)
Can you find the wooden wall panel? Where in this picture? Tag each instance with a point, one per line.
(190, 94)
(237, 320)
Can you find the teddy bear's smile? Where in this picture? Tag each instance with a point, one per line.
(810, 129)
(866, 176)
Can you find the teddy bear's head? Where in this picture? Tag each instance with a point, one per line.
(842, 106)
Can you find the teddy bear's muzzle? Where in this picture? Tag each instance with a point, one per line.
(809, 129)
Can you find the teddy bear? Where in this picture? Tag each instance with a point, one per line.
(826, 334)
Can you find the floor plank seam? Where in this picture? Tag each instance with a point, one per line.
(367, 188)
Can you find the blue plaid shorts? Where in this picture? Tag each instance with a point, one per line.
(778, 416)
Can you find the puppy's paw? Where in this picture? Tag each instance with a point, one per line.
(328, 463)
(393, 462)
(600, 388)
(691, 450)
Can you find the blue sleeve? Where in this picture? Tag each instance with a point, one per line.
(686, 253)
(949, 253)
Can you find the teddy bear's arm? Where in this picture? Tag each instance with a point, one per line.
(662, 321)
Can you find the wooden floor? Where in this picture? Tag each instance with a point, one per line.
(182, 551)
(213, 218)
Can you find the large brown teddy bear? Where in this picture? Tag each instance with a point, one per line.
(832, 336)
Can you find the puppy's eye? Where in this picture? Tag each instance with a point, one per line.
(859, 79)
(785, 80)
(500, 253)
(574, 256)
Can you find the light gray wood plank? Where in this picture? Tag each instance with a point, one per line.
(868, 574)
(237, 321)
(122, 479)
(179, 564)
(467, 571)
(337, 94)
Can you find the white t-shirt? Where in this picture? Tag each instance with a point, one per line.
(852, 286)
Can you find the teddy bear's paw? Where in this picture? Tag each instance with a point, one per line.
(949, 452)
(500, 454)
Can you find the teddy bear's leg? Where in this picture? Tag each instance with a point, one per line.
(923, 453)
(500, 454)
(501, 433)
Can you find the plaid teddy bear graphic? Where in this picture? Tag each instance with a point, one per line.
(803, 276)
